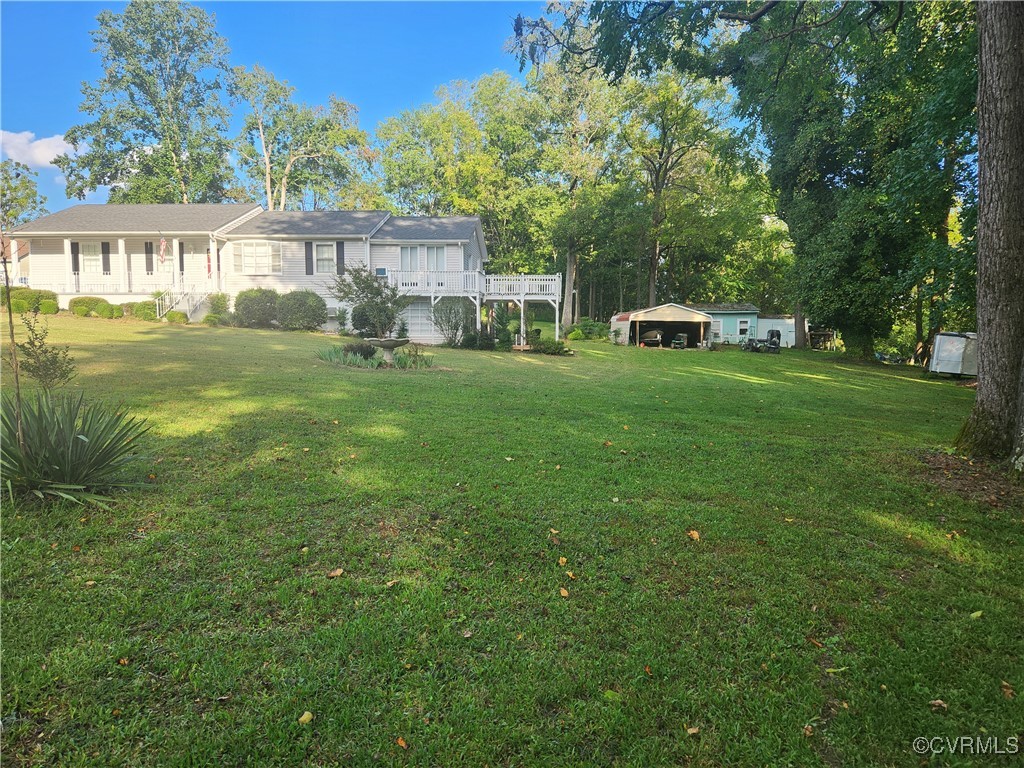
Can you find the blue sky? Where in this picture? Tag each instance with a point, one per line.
(383, 57)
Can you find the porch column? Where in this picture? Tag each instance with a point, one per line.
(558, 318)
(522, 321)
(176, 278)
(70, 276)
(124, 264)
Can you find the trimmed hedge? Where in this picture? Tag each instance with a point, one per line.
(91, 303)
(144, 310)
(211, 320)
(30, 296)
(81, 311)
(301, 311)
(174, 317)
(47, 307)
(218, 303)
(19, 306)
(256, 307)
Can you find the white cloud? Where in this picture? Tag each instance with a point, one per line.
(24, 147)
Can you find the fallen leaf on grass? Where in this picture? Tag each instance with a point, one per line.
(307, 717)
(467, 634)
(625, 426)
(611, 695)
(607, 443)
(835, 670)
(508, 458)
(789, 519)
(808, 731)
(977, 614)
(402, 743)
(647, 670)
(1007, 689)
(558, 466)
(693, 535)
(615, 500)
(563, 592)
(90, 583)
(938, 705)
(553, 531)
(391, 583)
(123, 662)
(814, 642)
(335, 573)
(571, 575)
(692, 731)
(562, 561)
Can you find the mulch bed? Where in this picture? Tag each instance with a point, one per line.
(973, 480)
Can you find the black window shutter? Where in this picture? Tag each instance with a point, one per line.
(74, 257)
(149, 257)
(309, 258)
(105, 251)
(181, 256)
(339, 255)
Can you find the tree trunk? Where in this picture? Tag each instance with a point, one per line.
(570, 284)
(994, 426)
(919, 345)
(799, 327)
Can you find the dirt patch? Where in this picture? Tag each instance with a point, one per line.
(973, 480)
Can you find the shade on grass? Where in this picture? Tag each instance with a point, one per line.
(827, 588)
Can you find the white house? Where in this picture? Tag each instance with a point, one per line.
(124, 253)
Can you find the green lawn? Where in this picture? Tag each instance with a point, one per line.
(826, 588)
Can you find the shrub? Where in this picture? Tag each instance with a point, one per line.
(79, 311)
(503, 345)
(485, 342)
(218, 303)
(29, 295)
(413, 357)
(361, 321)
(174, 317)
(341, 315)
(145, 310)
(51, 366)
(590, 329)
(361, 348)
(575, 335)
(344, 357)
(211, 319)
(403, 329)
(17, 292)
(116, 311)
(256, 307)
(548, 347)
(469, 340)
(19, 306)
(72, 450)
(380, 303)
(104, 310)
(453, 318)
(229, 319)
(47, 307)
(89, 302)
(301, 311)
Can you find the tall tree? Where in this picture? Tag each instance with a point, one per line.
(996, 425)
(295, 154)
(156, 133)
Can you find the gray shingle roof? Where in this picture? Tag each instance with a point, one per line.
(740, 307)
(310, 223)
(428, 228)
(118, 219)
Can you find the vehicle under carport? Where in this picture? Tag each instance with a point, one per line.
(670, 319)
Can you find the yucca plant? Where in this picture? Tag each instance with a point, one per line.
(69, 449)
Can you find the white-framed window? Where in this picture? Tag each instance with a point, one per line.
(325, 258)
(435, 258)
(257, 257)
(408, 259)
(90, 258)
(744, 327)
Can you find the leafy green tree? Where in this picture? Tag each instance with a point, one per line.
(20, 200)
(294, 154)
(157, 122)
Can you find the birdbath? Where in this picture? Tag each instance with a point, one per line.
(388, 347)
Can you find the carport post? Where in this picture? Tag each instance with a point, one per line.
(637, 333)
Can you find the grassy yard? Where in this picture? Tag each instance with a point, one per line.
(826, 602)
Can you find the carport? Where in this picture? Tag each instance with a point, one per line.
(670, 319)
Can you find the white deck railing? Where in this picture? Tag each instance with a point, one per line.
(512, 286)
(446, 283)
(463, 283)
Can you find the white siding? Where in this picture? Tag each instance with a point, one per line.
(293, 275)
(473, 249)
(384, 256)
(49, 264)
